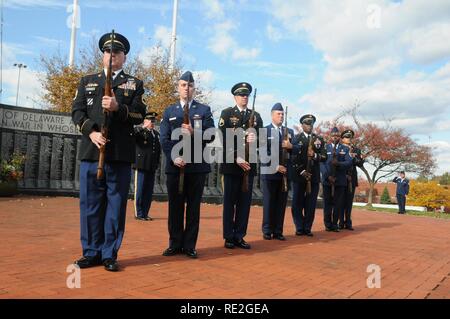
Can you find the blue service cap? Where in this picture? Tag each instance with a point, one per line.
(334, 130)
(277, 107)
(187, 76)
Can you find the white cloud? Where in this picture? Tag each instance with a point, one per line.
(428, 44)
(162, 39)
(35, 3)
(245, 53)
(222, 42)
(29, 90)
(416, 102)
(204, 78)
(410, 31)
(368, 64)
(273, 33)
(214, 9)
(441, 152)
(48, 41)
(163, 35)
(361, 73)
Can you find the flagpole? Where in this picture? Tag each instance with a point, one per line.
(174, 34)
(73, 37)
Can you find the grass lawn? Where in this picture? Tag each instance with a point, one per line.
(408, 212)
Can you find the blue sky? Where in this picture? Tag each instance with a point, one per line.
(316, 57)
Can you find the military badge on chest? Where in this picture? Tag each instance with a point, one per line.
(130, 85)
(234, 121)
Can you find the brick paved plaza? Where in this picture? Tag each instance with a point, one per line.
(40, 238)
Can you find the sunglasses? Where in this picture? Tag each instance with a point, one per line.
(242, 95)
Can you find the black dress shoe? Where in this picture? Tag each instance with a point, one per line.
(86, 262)
(341, 226)
(299, 233)
(329, 228)
(140, 218)
(279, 237)
(309, 234)
(267, 236)
(111, 265)
(349, 228)
(148, 218)
(335, 229)
(171, 251)
(229, 244)
(192, 253)
(242, 244)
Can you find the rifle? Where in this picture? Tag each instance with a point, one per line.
(185, 121)
(333, 170)
(251, 123)
(309, 164)
(104, 129)
(350, 177)
(284, 153)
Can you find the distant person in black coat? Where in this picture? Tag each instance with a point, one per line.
(148, 154)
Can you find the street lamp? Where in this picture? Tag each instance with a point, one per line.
(20, 66)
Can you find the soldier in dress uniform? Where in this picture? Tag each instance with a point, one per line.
(304, 201)
(274, 197)
(236, 203)
(148, 154)
(334, 180)
(103, 202)
(345, 220)
(184, 238)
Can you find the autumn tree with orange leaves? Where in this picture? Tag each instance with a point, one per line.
(385, 149)
(60, 81)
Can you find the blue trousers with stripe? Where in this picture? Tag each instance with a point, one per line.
(103, 208)
(236, 206)
(144, 181)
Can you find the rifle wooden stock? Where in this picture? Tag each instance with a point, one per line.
(333, 171)
(104, 128)
(308, 165)
(185, 121)
(251, 124)
(284, 154)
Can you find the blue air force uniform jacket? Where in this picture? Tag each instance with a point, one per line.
(402, 186)
(200, 117)
(266, 145)
(344, 163)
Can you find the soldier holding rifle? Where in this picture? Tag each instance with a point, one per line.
(275, 185)
(334, 180)
(306, 175)
(186, 175)
(345, 219)
(238, 173)
(105, 108)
